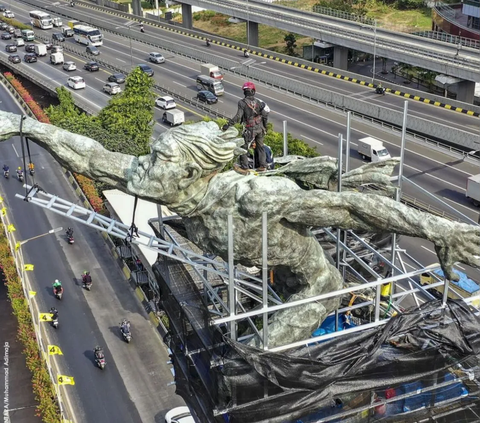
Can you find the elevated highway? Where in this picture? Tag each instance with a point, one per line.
(417, 51)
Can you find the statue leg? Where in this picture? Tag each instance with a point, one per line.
(315, 276)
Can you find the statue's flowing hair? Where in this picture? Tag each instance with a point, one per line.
(206, 145)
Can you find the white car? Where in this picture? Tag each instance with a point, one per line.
(76, 82)
(69, 66)
(156, 58)
(9, 14)
(179, 415)
(165, 102)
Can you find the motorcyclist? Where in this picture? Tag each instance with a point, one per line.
(251, 112)
(31, 167)
(246, 53)
(98, 351)
(19, 171)
(57, 286)
(125, 326)
(142, 29)
(6, 169)
(54, 313)
(69, 232)
(86, 277)
(208, 42)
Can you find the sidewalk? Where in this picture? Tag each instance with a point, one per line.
(18, 403)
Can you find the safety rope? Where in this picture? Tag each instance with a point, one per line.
(133, 229)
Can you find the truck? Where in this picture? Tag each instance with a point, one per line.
(463, 288)
(56, 59)
(473, 189)
(211, 70)
(173, 117)
(40, 50)
(71, 24)
(373, 149)
(67, 31)
(57, 22)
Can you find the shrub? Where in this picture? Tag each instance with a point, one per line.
(43, 389)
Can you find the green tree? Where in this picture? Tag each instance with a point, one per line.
(131, 112)
(291, 42)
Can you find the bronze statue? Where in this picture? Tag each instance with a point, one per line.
(182, 173)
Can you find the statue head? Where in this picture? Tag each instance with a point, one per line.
(182, 156)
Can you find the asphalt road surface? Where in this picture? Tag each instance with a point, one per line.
(133, 387)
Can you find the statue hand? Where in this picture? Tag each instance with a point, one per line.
(225, 127)
(459, 244)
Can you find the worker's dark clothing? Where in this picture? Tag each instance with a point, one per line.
(251, 113)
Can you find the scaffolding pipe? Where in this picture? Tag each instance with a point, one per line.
(231, 279)
(265, 278)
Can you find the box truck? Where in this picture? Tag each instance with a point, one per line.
(40, 50)
(373, 149)
(56, 58)
(211, 70)
(473, 189)
(57, 22)
(173, 117)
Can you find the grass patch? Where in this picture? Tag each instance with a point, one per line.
(408, 20)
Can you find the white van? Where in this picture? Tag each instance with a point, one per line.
(56, 58)
(373, 149)
(213, 85)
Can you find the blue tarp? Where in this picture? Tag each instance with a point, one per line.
(465, 282)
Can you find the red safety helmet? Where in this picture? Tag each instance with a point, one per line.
(249, 86)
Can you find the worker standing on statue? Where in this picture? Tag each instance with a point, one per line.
(254, 116)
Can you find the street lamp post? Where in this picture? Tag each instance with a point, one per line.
(374, 50)
(51, 231)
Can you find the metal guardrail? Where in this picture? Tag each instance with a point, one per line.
(448, 38)
(343, 15)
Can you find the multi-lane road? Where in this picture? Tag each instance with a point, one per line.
(133, 387)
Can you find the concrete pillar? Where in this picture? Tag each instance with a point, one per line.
(252, 36)
(465, 91)
(340, 57)
(137, 7)
(187, 17)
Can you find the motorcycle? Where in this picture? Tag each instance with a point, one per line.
(20, 176)
(70, 237)
(58, 292)
(125, 329)
(142, 29)
(246, 53)
(100, 360)
(208, 43)
(72, 4)
(55, 323)
(86, 284)
(380, 90)
(32, 171)
(6, 174)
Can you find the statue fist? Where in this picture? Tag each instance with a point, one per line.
(225, 127)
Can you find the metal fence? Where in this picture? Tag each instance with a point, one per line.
(448, 38)
(343, 15)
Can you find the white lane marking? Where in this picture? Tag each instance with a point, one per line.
(430, 251)
(14, 149)
(178, 83)
(120, 60)
(311, 139)
(98, 79)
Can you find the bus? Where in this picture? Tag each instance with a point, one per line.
(41, 19)
(87, 35)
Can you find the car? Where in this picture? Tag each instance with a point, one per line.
(17, 33)
(14, 58)
(119, 78)
(156, 58)
(207, 97)
(3, 26)
(179, 415)
(69, 66)
(92, 50)
(147, 69)
(91, 66)
(58, 36)
(6, 36)
(19, 42)
(30, 58)
(10, 48)
(11, 29)
(3, 8)
(9, 14)
(30, 48)
(111, 88)
(48, 45)
(56, 49)
(166, 102)
(76, 82)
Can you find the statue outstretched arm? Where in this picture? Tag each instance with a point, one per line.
(454, 242)
(77, 153)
